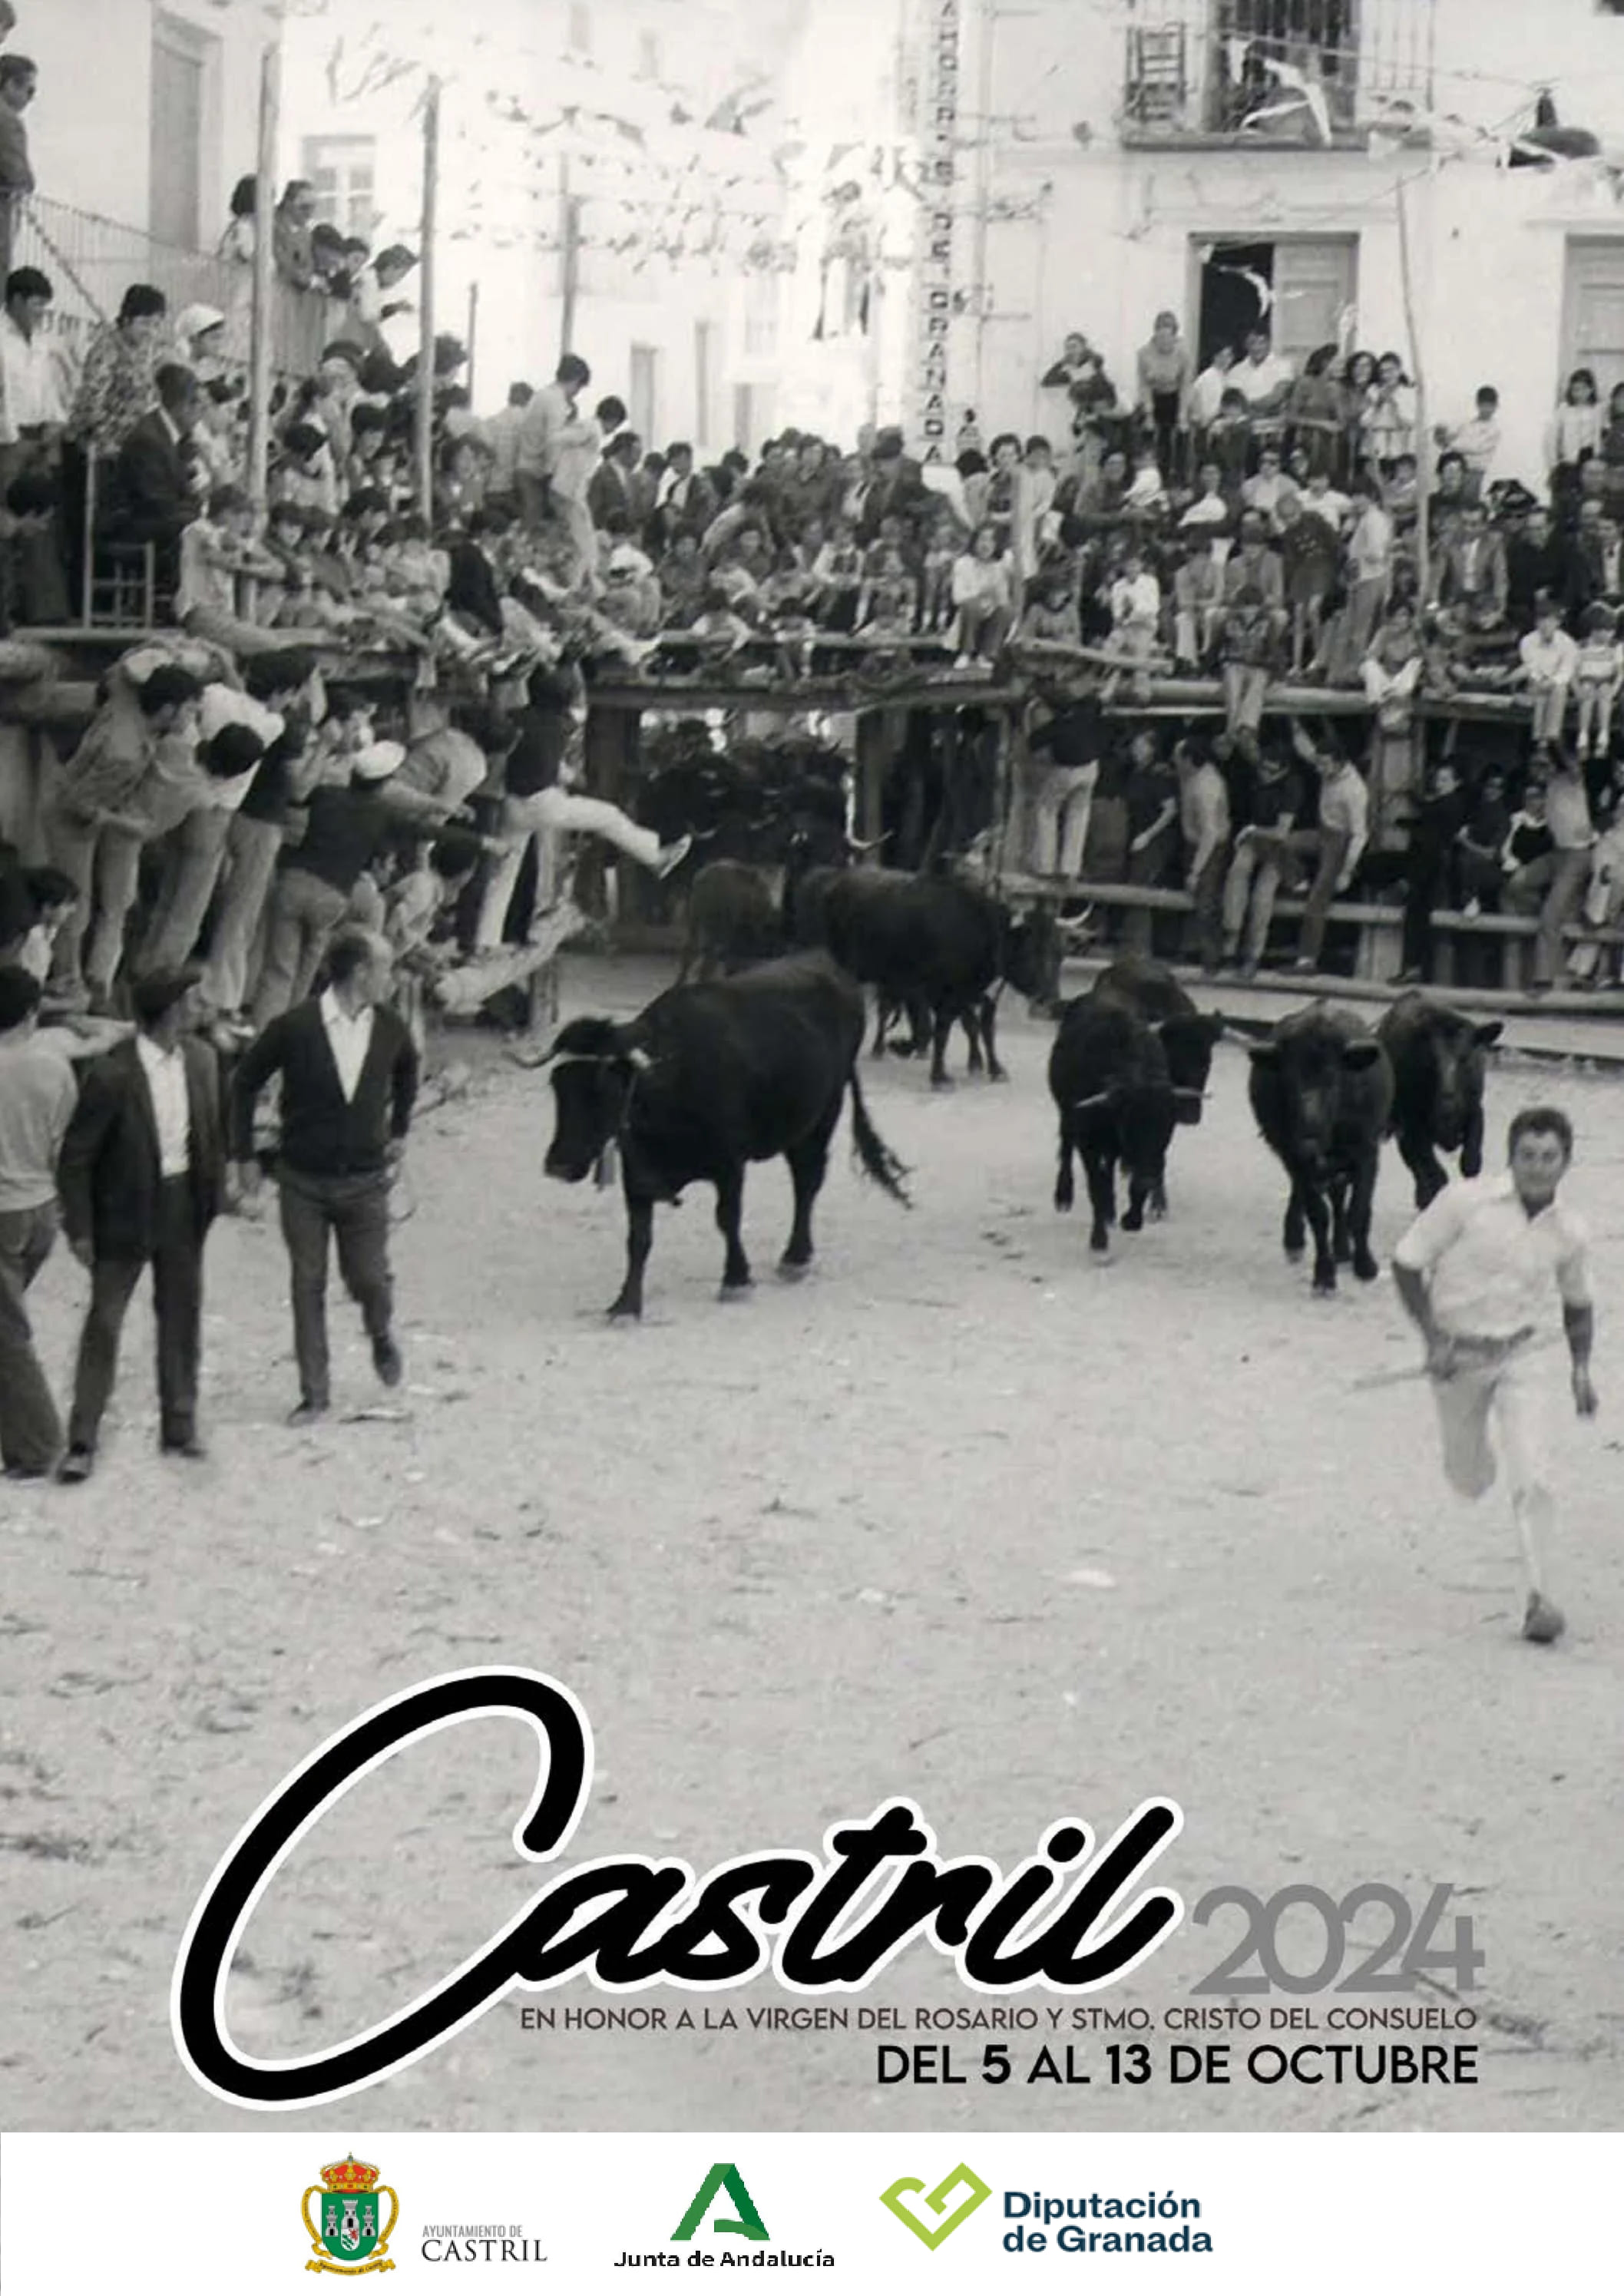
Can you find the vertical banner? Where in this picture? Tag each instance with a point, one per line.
(928, 390)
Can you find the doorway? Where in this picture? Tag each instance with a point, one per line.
(1302, 290)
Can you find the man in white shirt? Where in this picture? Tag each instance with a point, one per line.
(142, 1177)
(34, 406)
(1262, 378)
(37, 1090)
(536, 448)
(1475, 1273)
(348, 1071)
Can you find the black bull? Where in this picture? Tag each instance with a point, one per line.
(1438, 1058)
(1118, 1103)
(710, 1077)
(1321, 1089)
(934, 944)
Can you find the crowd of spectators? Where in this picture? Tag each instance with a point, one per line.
(1244, 524)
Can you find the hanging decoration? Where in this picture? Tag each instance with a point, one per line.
(927, 393)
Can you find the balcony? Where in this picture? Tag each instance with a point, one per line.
(90, 261)
(1306, 74)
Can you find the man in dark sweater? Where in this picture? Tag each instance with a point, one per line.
(348, 1072)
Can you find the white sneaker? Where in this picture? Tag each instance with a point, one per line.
(672, 857)
(1472, 908)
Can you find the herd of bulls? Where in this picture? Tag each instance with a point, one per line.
(719, 1073)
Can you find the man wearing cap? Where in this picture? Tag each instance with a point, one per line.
(348, 1071)
(141, 1178)
(37, 1090)
(346, 825)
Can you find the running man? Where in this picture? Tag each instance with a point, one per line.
(1474, 1273)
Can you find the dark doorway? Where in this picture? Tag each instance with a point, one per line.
(1230, 304)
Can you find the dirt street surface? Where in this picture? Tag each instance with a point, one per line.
(969, 1516)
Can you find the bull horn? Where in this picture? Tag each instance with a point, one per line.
(1095, 1100)
(639, 1059)
(521, 1059)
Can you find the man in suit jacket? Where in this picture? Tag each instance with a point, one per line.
(141, 1176)
(348, 1072)
(1472, 583)
(151, 495)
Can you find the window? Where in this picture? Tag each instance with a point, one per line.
(642, 404)
(1316, 41)
(341, 170)
(761, 315)
(184, 63)
(580, 30)
(648, 55)
(704, 378)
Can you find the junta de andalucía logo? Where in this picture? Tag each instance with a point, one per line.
(349, 2233)
(745, 2225)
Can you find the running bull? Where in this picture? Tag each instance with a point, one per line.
(710, 1077)
(1322, 1090)
(934, 945)
(1113, 1085)
(1438, 1058)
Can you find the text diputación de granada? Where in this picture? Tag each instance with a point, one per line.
(1166, 2215)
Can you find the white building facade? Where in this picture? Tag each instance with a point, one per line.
(1100, 172)
(594, 192)
(145, 117)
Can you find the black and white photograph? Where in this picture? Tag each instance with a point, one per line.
(811, 1080)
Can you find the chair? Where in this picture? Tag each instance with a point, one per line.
(121, 580)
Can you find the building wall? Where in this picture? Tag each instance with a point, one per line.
(1062, 226)
(500, 198)
(89, 127)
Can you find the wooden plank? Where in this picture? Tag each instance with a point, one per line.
(466, 987)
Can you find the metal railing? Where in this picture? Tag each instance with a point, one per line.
(90, 261)
(1277, 71)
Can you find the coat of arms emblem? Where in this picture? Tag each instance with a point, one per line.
(347, 2233)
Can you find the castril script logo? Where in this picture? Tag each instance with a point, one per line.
(349, 2225)
(1076, 1917)
(934, 2226)
(723, 2178)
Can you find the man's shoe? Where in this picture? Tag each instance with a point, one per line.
(387, 1362)
(672, 857)
(183, 1447)
(306, 1413)
(1542, 1621)
(28, 1474)
(78, 1467)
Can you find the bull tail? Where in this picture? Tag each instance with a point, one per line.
(877, 1159)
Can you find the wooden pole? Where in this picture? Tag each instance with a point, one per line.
(264, 280)
(1423, 437)
(569, 241)
(425, 328)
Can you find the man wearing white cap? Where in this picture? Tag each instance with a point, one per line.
(347, 824)
(223, 771)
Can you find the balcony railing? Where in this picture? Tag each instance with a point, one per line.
(90, 261)
(1310, 72)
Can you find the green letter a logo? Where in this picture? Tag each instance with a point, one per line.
(723, 2178)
